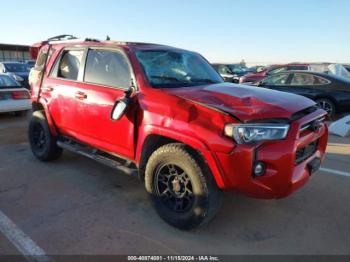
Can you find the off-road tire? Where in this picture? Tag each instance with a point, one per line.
(206, 194)
(42, 142)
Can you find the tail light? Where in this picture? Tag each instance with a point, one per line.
(20, 95)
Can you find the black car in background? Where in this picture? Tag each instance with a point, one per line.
(19, 71)
(230, 72)
(330, 92)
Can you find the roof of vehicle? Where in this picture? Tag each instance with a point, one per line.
(69, 40)
(305, 72)
(93, 42)
(325, 75)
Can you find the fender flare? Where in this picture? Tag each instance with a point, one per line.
(192, 142)
(50, 122)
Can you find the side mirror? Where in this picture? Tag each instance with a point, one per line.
(119, 109)
(121, 106)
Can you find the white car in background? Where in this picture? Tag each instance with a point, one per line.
(339, 70)
(13, 97)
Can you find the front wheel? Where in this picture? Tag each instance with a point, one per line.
(42, 142)
(326, 105)
(182, 187)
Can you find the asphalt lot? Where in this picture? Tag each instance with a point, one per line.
(78, 206)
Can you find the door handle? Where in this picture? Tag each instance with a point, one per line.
(80, 95)
(47, 89)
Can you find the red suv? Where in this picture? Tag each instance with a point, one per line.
(165, 114)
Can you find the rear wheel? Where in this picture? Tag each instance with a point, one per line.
(181, 186)
(327, 105)
(42, 142)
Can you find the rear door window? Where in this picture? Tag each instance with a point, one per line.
(308, 80)
(69, 65)
(321, 81)
(108, 68)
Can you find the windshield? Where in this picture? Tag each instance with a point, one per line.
(6, 81)
(164, 68)
(16, 68)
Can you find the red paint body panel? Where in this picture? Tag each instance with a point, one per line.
(193, 116)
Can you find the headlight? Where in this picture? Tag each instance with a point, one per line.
(251, 133)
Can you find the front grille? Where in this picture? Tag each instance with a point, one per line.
(304, 153)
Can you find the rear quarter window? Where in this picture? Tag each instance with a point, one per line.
(42, 57)
(68, 65)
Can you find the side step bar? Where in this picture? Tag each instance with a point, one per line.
(117, 163)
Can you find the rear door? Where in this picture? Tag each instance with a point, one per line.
(107, 76)
(62, 92)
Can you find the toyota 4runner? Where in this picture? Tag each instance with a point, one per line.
(165, 114)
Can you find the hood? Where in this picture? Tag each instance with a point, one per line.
(244, 102)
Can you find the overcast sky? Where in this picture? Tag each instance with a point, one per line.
(269, 31)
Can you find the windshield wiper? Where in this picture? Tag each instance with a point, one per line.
(167, 78)
(204, 80)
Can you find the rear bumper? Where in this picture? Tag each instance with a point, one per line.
(15, 105)
(283, 174)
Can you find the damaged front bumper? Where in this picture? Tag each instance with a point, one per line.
(288, 163)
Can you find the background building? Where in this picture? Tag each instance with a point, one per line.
(10, 52)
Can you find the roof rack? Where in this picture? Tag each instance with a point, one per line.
(91, 40)
(61, 38)
(68, 38)
(131, 43)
